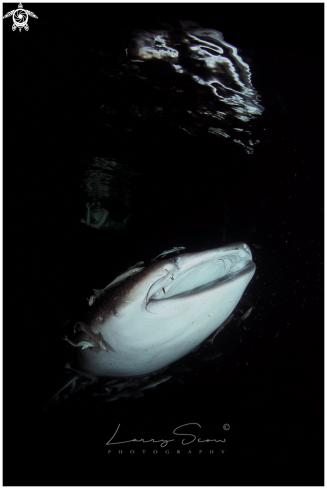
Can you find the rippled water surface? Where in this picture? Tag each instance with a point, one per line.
(201, 82)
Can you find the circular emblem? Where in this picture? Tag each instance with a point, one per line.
(226, 427)
(20, 18)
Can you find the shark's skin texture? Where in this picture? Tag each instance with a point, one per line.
(165, 311)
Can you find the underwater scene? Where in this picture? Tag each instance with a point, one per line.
(163, 244)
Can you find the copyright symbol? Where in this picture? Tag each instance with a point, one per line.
(226, 427)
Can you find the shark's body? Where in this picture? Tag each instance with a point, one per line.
(165, 311)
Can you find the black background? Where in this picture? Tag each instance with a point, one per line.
(269, 387)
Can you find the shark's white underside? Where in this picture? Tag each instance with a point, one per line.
(166, 310)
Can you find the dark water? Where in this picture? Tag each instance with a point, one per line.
(205, 143)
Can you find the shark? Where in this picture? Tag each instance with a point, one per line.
(163, 312)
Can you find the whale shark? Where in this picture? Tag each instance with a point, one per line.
(163, 312)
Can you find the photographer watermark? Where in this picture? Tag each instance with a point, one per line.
(184, 436)
(20, 17)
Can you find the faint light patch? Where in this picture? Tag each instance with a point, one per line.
(216, 81)
(220, 132)
(107, 179)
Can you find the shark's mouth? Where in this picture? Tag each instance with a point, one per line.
(219, 273)
(206, 274)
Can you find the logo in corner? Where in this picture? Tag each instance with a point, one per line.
(20, 17)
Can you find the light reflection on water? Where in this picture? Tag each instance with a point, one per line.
(212, 73)
(187, 77)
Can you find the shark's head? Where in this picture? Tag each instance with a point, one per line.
(165, 311)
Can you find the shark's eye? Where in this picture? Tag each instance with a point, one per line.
(177, 261)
